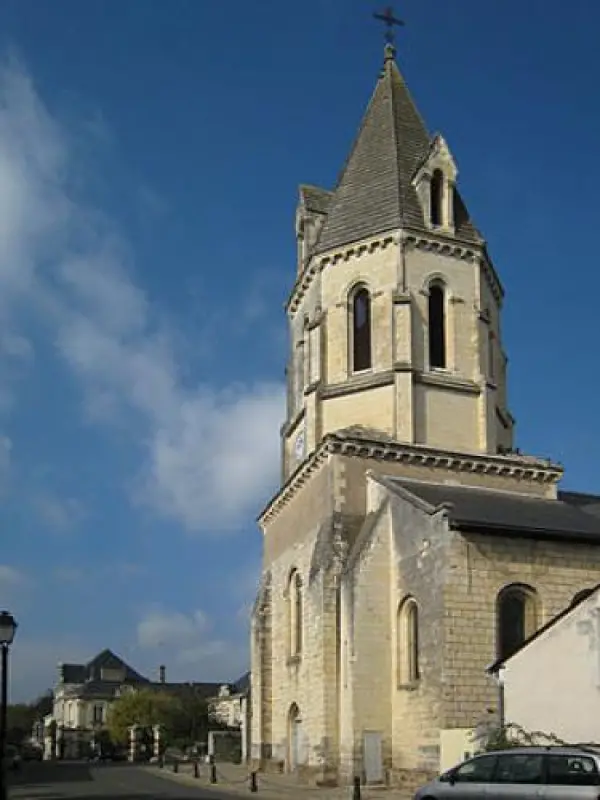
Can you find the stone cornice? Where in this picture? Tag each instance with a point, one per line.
(455, 249)
(421, 240)
(317, 263)
(294, 483)
(350, 444)
(357, 383)
(292, 423)
(448, 381)
(444, 245)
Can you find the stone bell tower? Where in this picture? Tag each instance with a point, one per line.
(395, 313)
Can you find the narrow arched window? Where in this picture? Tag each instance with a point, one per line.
(517, 618)
(295, 613)
(437, 326)
(407, 639)
(437, 198)
(361, 330)
(491, 358)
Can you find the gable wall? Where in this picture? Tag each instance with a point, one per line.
(479, 567)
(563, 700)
(296, 539)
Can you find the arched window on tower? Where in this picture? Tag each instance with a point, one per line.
(437, 198)
(491, 358)
(295, 613)
(361, 330)
(407, 642)
(437, 326)
(516, 617)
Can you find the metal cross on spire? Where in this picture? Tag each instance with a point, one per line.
(388, 18)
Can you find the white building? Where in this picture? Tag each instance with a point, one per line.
(231, 708)
(551, 684)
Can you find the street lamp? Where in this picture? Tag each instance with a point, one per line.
(8, 627)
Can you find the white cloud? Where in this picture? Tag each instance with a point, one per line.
(172, 629)
(58, 514)
(10, 577)
(34, 664)
(5, 461)
(210, 455)
(186, 641)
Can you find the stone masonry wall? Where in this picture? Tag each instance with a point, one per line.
(367, 650)
(479, 568)
(300, 537)
(420, 545)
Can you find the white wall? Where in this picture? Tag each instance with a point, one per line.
(553, 684)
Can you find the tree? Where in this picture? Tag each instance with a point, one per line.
(192, 718)
(146, 708)
(19, 723)
(21, 717)
(43, 705)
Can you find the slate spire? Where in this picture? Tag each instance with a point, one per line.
(374, 192)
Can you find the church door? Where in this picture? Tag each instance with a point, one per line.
(295, 738)
(373, 757)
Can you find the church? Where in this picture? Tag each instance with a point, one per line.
(410, 544)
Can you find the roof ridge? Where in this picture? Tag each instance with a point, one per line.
(356, 139)
(396, 143)
(473, 488)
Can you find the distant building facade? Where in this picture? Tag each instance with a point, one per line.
(231, 707)
(83, 697)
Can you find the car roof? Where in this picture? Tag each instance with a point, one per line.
(560, 750)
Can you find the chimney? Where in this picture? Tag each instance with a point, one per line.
(162, 672)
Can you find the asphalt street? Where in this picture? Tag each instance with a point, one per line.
(76, 781)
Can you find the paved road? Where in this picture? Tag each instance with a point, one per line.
(77, 781)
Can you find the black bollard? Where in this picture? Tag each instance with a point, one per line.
(213, 772)
(253, 782)
(356, 792)
(196, 770)
(175, 766)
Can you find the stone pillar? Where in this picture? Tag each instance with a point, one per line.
(134, 742)
(157, 732)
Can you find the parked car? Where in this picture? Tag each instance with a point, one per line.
(12, 757)
(555, 773)
(31, 752)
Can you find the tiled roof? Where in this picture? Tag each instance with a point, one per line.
(91, 672)
(242, 684)
(201, 689)
(315, 199)
(374, 192)
(73, 673)
(496, 511)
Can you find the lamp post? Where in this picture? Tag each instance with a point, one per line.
(8, 627)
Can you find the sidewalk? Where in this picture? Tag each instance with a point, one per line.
(233, 778)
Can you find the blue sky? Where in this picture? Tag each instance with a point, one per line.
(150, 155)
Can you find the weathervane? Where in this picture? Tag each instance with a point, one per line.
(388, 18)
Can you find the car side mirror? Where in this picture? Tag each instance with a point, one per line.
(452, 778)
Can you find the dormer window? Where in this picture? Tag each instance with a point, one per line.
(434, 182)
(437, 199)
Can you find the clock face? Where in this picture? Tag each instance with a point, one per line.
(299, 445)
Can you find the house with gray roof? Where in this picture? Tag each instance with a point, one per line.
(84, 693)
